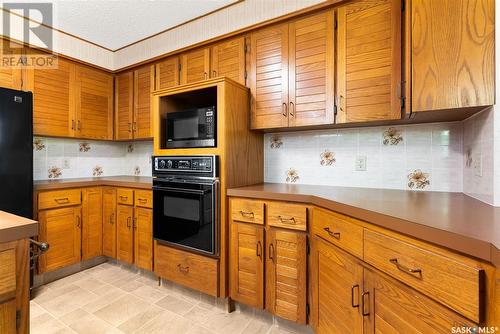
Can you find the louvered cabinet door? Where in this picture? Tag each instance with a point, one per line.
(246, 264)
(369, 61)
(167, 73)
(286, 269)
(195, 65)
(143, 238)
(269, 77)
(311, 70)
(228, 60)
(124, 105)
(94, 103)
(54, 100)
(109, 222)
(143, 86)
(10, 77)
(92, 223)
(124, 233)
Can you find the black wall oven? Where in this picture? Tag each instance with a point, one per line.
(186, 203)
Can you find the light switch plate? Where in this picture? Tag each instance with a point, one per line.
(360, 163)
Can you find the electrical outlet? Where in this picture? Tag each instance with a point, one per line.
(478, 165)
(66, 164)
(360, 163)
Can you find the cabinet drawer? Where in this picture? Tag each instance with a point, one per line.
(448, 280)
(143, 198)
(125, 196)
(59, 198)
(194, 271)
(292, 216)
(247, 210)
(339, 230)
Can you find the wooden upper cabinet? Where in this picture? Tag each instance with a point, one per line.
(109, 222)
(369, 61)
(143, 238)
(228, 60)
(452, 54)
(94, 103)
(10, 77)
(286, 274)
(311, 70)
(124, 105)
(124, 233)
(92, 223)
(195, 65)
(54, 100)
(247, 264)
(268, 77)
(167, 73)
(143, 86)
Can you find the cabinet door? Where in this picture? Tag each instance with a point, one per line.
(143, 238)
(167, 73)
(124, 105)
(61, 229)
(286, 268)
(109, 222)
(124, 233)
(369, 61)
(94, 103)
(92, 223)
(393, 307)
(268, 77)
(54, 100)
(10, 77)
(337, 288)
(452, 54)
(195, 65)
(143, 85)
(246, 264)
(228, 60)
(8, 317)
(311, 70)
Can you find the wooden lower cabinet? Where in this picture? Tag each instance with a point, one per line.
(92, 223)
(62, 230)
(124, 233)
(143, 238)
(109, 222)
(8, 317)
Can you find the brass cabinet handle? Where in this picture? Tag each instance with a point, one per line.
(62, 200)
(290, 221)
(78, 222)
(134, 126)
(214, 72)
(336, 235)
(355, 286)
(258, 249)
(129, 219)
(79, 127)
(247, 214)
(206, 75)
(183, 269)
(72, 124)
(134, 224)
(284, 108)
(340, 100)
(292, 107)
(129, 127)
(367, 293)
(405, 269)
(271, 252)
(112, 219)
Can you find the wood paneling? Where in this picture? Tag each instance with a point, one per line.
(23, 284)
(286, 266)
(395, 308)
(452, 54)
(92, 223)
(7, 274)
(59, 198)
(124, 233)
(143, 238)
(247, 210)
(94, 103)
(109, 222)
(61, 229)
(167, 73)
(311, 70)
(8, 317)
(10, 77)
(144, 80)
(124, 105)
(228, 59)
(369, 61)
(292, 216)
(195, 65)
(246, 264)
(268, 77)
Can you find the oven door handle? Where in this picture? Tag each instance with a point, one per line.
(180, 190)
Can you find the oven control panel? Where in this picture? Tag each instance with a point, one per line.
(176, 164)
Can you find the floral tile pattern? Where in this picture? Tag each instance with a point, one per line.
(327, 158)
(38, 144)
(276, 142)
(130, 148)
(418, 179)
(137, 170)
(292, 175)
(84, 147)
(97, 171)
(54, 172)
(392, 136)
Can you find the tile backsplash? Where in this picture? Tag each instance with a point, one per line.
(415, 157)
(56, 158)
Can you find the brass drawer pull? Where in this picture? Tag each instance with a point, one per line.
(123, 198)
(183, 269)
(247, 214)
(405, 269)
(363, 313)
(61, 200)
(336, 235)
(142, 200)
(290, 221)
(356, 286)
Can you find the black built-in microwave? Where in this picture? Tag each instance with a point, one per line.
(192, 128)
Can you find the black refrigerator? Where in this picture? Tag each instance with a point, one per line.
(16, 152)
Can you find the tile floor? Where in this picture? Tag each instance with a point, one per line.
(111, 298)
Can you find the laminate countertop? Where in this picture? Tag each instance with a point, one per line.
(14, 227)
(453, 220)
(139, 182)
